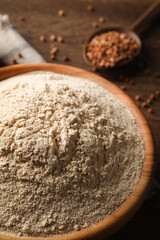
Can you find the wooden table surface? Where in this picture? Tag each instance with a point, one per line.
(41, 18)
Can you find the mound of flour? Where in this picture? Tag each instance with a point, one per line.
(70, 154)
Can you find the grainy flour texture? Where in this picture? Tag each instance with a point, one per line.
(70, 154)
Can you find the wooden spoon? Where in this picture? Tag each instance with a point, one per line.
(133, 31)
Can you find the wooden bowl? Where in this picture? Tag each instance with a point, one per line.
(126, 211)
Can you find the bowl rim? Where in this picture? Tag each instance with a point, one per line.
(127, 210)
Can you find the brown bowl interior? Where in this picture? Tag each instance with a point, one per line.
(130, 33)
(126, 211)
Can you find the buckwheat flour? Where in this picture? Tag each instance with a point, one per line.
(70, 154)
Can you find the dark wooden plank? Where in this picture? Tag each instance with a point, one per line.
(42, 18)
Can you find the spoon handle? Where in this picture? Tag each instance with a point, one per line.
(145, 19)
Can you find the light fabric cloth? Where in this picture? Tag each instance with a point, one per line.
(11, 43)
